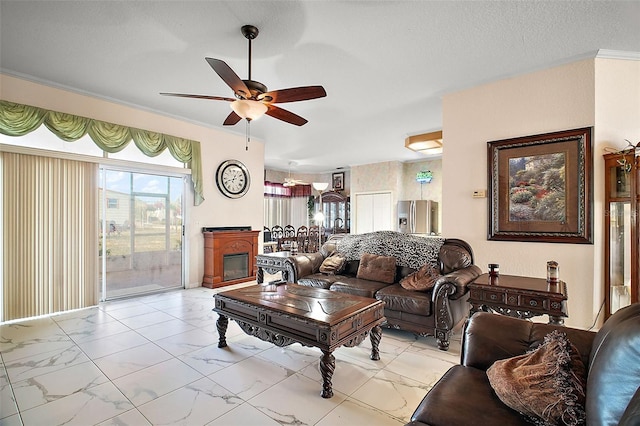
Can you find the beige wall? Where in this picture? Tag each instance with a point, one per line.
(412, 190)
(563, 97)
(386, 176)
(216, 147)
(617, 117)
(399, 178)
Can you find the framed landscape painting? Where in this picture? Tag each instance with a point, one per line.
(541, 188)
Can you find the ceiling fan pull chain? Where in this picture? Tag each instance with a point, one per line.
(248, 131)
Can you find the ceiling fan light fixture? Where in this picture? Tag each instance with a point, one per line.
(248, 109)
(425, 143)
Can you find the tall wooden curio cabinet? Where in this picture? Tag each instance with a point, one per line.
(622, 229)
(335, 207)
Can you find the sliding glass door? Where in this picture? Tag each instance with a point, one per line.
(141, 233)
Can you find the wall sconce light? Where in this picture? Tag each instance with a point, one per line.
(425, 143)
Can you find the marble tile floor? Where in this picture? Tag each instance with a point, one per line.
(154, 360)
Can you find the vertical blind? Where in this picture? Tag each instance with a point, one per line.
(50, 235)
(286, 205)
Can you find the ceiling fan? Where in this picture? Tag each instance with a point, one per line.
(289, 181)
(252, 98)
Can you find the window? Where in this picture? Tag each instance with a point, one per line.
(112, 203)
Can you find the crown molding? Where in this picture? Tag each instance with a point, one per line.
(57, 86)
(618, 54)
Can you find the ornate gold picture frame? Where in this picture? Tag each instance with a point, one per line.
(541, 188)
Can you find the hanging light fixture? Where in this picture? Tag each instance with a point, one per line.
(425, 143)
(248, 109)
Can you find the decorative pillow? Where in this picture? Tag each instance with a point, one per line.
(421, 280)
(377, 268)
(333, 264)
(547, 384)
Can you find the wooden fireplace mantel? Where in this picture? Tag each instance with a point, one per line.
(217, 244)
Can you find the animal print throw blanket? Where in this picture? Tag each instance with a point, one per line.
(409, 250)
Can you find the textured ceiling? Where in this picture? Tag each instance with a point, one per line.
(384, 64)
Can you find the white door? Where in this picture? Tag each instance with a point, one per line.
(373, 212)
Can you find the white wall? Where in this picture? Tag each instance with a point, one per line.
(560, 98)
(216, 146)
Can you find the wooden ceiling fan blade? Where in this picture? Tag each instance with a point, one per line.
(232, 119)
(229, 76)
(293, 94)
(253, 96)
(284, 115)
(209, 97)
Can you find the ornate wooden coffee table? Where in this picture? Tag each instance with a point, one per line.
(288, 313)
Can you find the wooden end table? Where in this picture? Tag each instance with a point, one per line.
(521, 297)
(283, 314)
(272, 263)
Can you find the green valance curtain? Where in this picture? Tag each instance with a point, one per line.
(18, 120)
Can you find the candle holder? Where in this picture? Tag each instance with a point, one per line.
(494, 270)
(552, 272)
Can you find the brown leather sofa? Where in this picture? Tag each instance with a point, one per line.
(463, 396)
(427, 313)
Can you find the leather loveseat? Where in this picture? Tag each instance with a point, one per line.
(464, 396)
(434, 312)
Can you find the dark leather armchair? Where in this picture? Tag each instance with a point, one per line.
(463, 396)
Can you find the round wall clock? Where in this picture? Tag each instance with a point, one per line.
(232, 178)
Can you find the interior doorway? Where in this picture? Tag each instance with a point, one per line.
(141, 233)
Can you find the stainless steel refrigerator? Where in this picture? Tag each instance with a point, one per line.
(418, 217)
